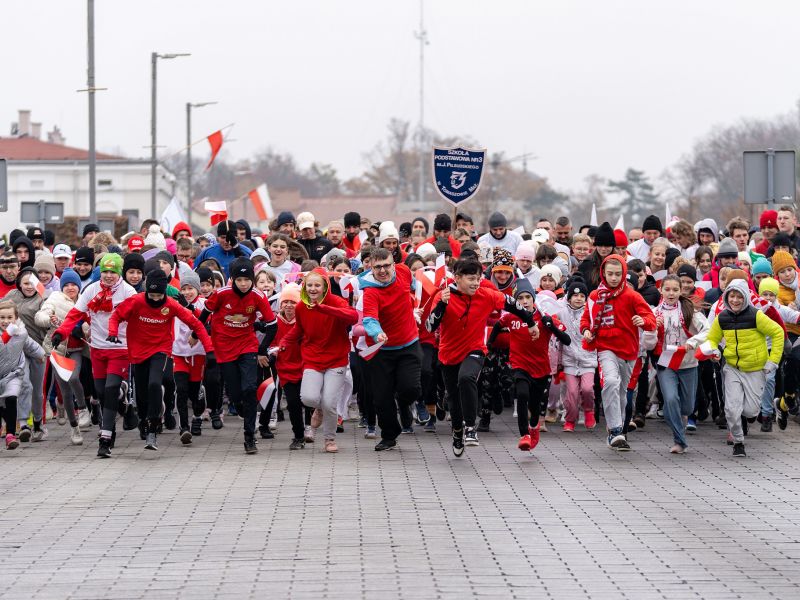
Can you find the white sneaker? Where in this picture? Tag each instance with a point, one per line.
(41, 435)
(652, 412)
(352, 413)
(61, 417)
(75, 437)
(273, 424)
(308, 435)
(84, 419)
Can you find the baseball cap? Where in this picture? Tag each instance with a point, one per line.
(305, 219)
(62, 251)
(135, 244)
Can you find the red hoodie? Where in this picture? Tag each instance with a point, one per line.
(289, 362)
(610, 315)
(152, 329)
(323, 329)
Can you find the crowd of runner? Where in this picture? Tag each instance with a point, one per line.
(423, 325)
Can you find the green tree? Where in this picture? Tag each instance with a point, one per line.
(638, 196)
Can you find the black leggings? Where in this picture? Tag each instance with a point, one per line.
(291, 391)
(461, 381)
(149, 375)
(9, 413)
(531, 397)
(188, 391)
(108, 390)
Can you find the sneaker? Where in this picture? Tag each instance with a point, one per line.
(197, 426)
(524, 443)
(660, 413)
(11, 442)
(150, 443)
(430, 426)
(297, 444)
(232, 409)
(330, 446)
(316, 419)
(352, 413)
(677, 449)
(362, 423)
(691, 425)
(266, 434)
(75, 436)
(551, 416)
(458, 442)
(534, 433)
(652, 412)
(729, 440)
(216, 420)
(308, 435)
(617, 441)
(569, 427)
(273, 423)
(639, 420)
(471, 437)
(484, 422)
(84, 419)
(721, 421)
(143, 430)
(407, 430)
(385, 445)
(589, 421)
(186, 437)
(25, 434)
(61, 414)
(783, 419)
(250, 445)
(631, 426)
(766, 425)
(370, 434)
(738, 450)
(423, 416)
(170, 424)
(542, 425)
(40, 435)
(104, 448)
(441, 412)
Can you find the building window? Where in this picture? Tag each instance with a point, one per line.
(104, 182)
(133, 217)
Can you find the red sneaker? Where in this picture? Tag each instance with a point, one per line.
(11, 442)
(524, 443)
(534, 433)
(589, 419)
(569, 427)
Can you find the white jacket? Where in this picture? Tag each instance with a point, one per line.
(575, 358)
(99, 325)
(180, 346)
(674, 335)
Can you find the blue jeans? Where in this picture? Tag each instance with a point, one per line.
(678, 389)
(767, 408)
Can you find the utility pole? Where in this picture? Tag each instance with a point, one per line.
(422, 36)
(189, 107)
(91, 90)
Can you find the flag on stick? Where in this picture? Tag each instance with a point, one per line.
(63, 366)
(218, 211)
(261, 202)
(215, 141)
(265, 391)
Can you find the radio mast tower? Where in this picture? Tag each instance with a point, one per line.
(422, 36)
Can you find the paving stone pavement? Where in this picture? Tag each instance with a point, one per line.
(572, 520)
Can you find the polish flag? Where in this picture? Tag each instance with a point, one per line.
(218, 211)
(441, 270)
(265, 391)
(261, 202)
(426, 288)
(369, 352)
(37, 284)
(706, 351)
(672, 357)
(215, 141)
(64, 366)
(349, 286)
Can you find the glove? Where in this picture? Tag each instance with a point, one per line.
(231, 238)
(77, 333)
(770, 367)
(113, 339)
(547, 321)
(57, 338)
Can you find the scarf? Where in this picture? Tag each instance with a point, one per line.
(604, 295)
(663, 310)
(102, 301)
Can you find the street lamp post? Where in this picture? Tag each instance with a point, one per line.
(154, 56)
(189, 106)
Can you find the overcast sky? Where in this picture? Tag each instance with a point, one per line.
(590, 86)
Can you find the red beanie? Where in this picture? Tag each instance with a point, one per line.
(769, 218)
(620, 238)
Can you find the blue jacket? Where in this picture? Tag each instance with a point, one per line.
(224, 258)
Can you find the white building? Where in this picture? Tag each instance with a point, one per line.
(51, 171)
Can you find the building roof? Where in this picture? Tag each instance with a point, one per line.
(30, 148)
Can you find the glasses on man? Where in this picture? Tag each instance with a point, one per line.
(383, 267)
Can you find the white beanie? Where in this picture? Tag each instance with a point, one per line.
(527, 250)
(388, 231)
(425, 249)
(553, 271)
(155, 238)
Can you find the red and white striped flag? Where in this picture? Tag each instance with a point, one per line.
(218, 211)
(63, 366)
(37, 284)
(261, 202)
(215, 141)
(672, 357)
(370, 352)
(706, 351)
(441, 270)
(265, 391)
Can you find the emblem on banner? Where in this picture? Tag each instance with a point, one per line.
(457, 173)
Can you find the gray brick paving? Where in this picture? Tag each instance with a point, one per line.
(573, 520)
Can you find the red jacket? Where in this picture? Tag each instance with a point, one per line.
(532, 356)
(6, 287)
(152, 329)
(232, 325)
(289, 362)
(611, 319)
(391, 307)
(324, 331)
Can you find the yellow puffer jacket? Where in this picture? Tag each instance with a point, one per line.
(745, 334)
(785, 297)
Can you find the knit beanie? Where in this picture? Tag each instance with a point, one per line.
(156, 282)
(769, 218)
(768, 284)
(651, 223)
(687, 270)
(133, 261)
(553, 271)
(672, 254)
(620, 239)
(84, 254)
(527, 251)
(291, 291)
(442, 222)
(155, 237)
(728, 248)
(737, 274)
(426, 249)
(604, 236)
(111, 262)
(166, 257)
(497, 219)
(782, 260)
(287, 217)
(70, 276)
(762, 266)
(241, 267)
(191, 278)
(45, 262)
(502, 260)
(351, 219)
(577, 286)
(89, 228)
(171, 246)
(205, 274)
(223, 227)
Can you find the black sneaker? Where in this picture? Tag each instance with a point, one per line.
(721, 421)
(197, 426)
(485, 421)
(458, 442)
(216, 420)
(150, 443)
(783, 419)
(143, 429)
(103, 449)
(618, 442)
(471, 437)
(170, 424)
(25, 434)
(766, 424)
(385, 445)
(186, 437)
(131, 419)
(250, 445)
(441, 413)
(738, 450)
(297, 444)
(266, 434)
